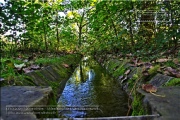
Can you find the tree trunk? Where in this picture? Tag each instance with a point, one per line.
(80, 35)
(57, 23)
(131, 32)
(44, 29)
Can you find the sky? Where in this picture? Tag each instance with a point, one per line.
(60, 14)
(1, 1)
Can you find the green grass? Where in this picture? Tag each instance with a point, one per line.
(7, 68)
(112, 64)
(47, 61)
(137, 105)
(69, 59)
(171, 64)
(119, 71)
(173, 82)
(154, 69)
(117, 68)
(8, 72)
(17, 61)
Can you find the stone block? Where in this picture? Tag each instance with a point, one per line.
(53, 72)
(168, 107)
(159, 80)
(38, 80)
(47, 75)
(30, 96)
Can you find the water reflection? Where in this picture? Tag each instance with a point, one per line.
(90, 86)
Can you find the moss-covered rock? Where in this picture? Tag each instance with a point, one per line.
(28, 102)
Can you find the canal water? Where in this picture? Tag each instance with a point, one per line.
(91, 92)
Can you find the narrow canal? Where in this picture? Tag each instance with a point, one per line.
(91, 92)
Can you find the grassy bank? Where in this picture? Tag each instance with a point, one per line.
(14, 69)
(36, 70)
(132, 72)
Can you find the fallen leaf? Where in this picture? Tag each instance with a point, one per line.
(173, 72)
(19, 56)
(125, 78)
(127, 72)
(120, 77)
(145, 73)
(129, 55)
(169, 69)
(121, 59)
(132, 65)
(163, 67)
(149, 88)
(135, 61)
(178, 75)
(162, 60)
(166, 72)
(140, 63)
(65, 65)
(20, 66)
(147, 65)
(26, 60)
(35, 67)
(26, 70)
(176, 61)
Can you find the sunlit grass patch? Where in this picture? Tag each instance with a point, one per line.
(173, 82)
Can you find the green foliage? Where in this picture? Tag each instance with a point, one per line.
(119, 71)
(136, 76)
(47, 61)
(12, 77)
(173, 82)
(171, 64)
(112, 65)
(8, 71)
(154, 69)
(132, 81)
(89, 25)
(7, 68)
(137, 106)
(69, 59)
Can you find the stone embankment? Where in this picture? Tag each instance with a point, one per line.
(36, 90)
(43, 87)
(16, 98)
(164, 106)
